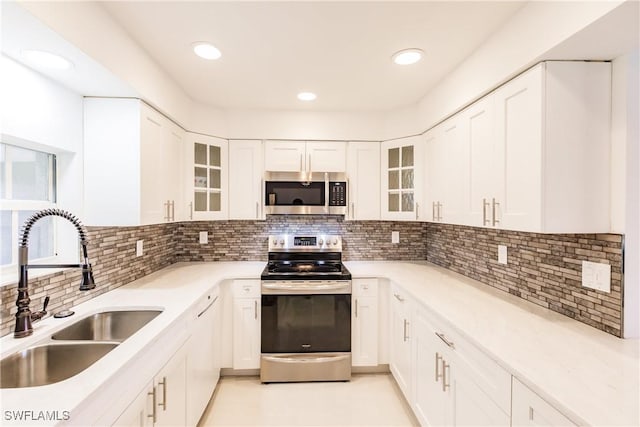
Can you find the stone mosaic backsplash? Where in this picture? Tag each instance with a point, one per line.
(544, 269)
(112, 252)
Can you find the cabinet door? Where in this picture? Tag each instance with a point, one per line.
(245, 180)
(434, 175)
(529, 409)
(363, 169)
(432, 400)
(206, 177)
(284, 156)
(400, 177)
(454, 170)
(138, 413)
(171, 390)
(519, 124)
(477, 129)
(400, 340)
(153, 207)
(246, 333)
(473, 406)
(326, 156)
(173, 177)
(364, 318)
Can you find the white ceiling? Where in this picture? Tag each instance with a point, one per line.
(339, 50)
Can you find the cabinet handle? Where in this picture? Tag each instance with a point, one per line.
(255, 309)
(417, 210)
(493, 215)
(164, 393)
(485, 220)
(309, 165)
(438, 359)
(398, 297)
(190, 210)
(173, 210)
(301, 163)
(439, 211)
(446, 341)
(405, 336)
(353, 211)
(167, 217)
(530, 413)
(257, 210)
(433, 211)
(356, 307)
(445, 383)
(153, 415)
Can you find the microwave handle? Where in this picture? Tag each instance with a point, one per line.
(326, 192)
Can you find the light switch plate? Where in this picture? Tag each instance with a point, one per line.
(204, 238)
(596, 275)
(395, 237)
(139, 248)
(502, 254)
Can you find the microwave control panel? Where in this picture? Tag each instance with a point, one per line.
(337, 193)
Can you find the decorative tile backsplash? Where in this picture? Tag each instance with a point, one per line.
(544, 269)
(112, 252)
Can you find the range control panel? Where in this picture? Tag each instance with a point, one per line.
(305, 243)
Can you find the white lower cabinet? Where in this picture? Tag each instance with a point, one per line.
(246, 324)
(204, 358)
(529, 409)
(400, 340)
(364, 322)
(163, 401)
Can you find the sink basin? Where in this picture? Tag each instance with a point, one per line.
(107, 326)
(48, 364)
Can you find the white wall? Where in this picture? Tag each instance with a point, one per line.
(39, 114)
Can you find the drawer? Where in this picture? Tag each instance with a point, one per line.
(246, 288)
(211, 297)
(364, 287)
(485, 372)
(529, 409)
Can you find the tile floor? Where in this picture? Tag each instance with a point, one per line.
(367, 400)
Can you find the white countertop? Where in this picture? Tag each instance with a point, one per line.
(588, 374)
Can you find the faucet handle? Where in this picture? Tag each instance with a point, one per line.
(40, 314)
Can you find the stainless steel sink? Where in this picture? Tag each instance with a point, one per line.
(107, 326)
(48, 364)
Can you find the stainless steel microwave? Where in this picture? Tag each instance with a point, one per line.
(305, 194)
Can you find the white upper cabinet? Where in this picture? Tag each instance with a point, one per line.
(301, 156)
(400, 168)
(206, 177)
(246, 168)
(531, 156)
(133, 164)
(363, 170)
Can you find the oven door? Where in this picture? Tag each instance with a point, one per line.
(295, 321)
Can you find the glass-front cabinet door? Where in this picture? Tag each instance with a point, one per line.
(207, 177)
(400, 178)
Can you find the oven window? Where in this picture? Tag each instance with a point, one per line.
(306, 323)
(294, 193)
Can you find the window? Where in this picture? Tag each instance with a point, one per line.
(27, 185)
(400, 170)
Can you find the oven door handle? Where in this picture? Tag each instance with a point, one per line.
(275, 288)
(305, 359)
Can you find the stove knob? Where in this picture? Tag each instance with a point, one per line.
(335, 241)
(275, 242)
(321, 242)
(281, 242)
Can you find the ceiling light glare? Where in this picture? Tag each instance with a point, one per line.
(407, 56)
(44, 59)
(306, 96)
(206, 50)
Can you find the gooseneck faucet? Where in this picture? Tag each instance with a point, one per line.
(24, 316)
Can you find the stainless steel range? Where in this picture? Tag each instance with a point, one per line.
(306, 310)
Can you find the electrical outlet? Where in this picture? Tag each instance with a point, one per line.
(139, 248)
(395, 237)
(502, 254)
(204, 238)
(596, 275)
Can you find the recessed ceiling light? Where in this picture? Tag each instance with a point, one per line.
(306, 96)
(407, 56)
(206, 50)
(46, 59)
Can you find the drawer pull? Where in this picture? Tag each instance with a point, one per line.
(445, 382)
(445, 340)
(398, 297)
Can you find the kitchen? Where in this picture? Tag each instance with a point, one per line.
(135, 199)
